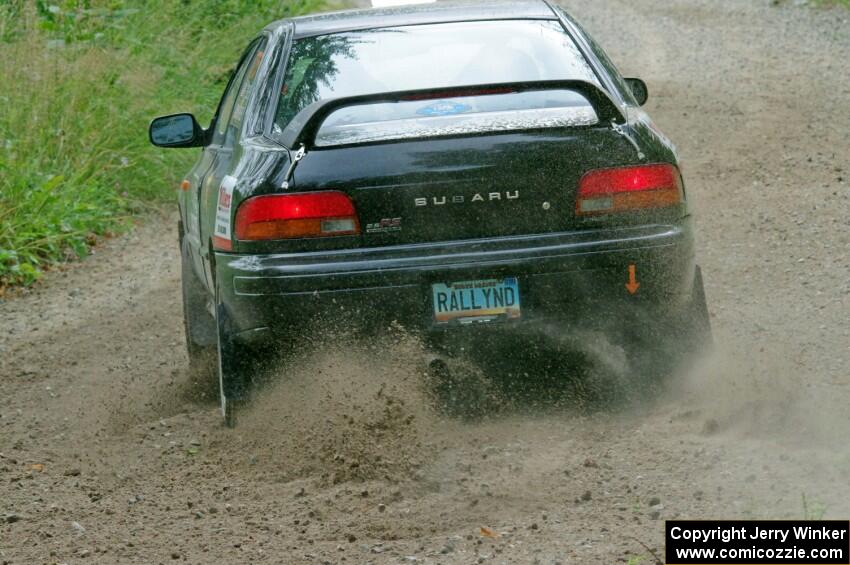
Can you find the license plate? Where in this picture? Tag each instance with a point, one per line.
(476, 301)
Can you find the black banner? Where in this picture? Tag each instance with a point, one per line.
(758, 542)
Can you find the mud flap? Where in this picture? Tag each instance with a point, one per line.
(701, 319)
(198, 320)
(690, 329)
(232, 373)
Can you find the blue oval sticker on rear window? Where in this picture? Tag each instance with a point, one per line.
(444, 108)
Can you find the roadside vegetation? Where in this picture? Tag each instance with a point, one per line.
(81, 81)
(814, 3)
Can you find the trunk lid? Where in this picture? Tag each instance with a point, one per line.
(464, 188)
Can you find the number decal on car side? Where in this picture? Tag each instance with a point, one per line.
(222, 235)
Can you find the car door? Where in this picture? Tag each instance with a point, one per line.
(193, 187)
(190, 208)
(225, 136)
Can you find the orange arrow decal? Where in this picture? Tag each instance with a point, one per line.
(632, 286)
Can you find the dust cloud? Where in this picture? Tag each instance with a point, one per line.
(343, 410)
(758, 390)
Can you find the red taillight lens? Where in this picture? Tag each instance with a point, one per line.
(289, 216)
(629, 188)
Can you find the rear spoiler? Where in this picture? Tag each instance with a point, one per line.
(303, 128)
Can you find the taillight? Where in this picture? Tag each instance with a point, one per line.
(629, 188)
(289, 216)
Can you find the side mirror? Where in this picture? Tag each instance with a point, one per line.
(639, 90)
(177, 130)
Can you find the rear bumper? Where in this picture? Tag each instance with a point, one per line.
(575, 277)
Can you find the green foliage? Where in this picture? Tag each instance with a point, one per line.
(826, 4)
(81, 81)
(813, 509)
(831, 3)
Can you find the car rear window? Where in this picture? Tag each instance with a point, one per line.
(456, 116)
(436, 56)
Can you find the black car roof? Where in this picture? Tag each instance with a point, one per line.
(437, 12)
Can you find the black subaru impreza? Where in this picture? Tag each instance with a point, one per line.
(461, 169)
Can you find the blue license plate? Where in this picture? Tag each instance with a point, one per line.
(476, 301)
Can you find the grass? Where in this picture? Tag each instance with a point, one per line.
(81, 81)
(821, 3)
(813, 509)
(831, 3)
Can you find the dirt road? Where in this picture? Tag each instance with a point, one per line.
(110, 453)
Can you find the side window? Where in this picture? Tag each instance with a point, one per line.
(606, 62)
(225, 109)
(237, 116)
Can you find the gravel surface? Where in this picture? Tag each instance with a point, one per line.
(110, 452)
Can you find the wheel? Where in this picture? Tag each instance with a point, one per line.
(670, 344)
(198, 324)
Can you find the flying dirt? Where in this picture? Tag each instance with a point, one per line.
(112, 451)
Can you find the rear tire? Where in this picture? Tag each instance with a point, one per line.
(671, 345)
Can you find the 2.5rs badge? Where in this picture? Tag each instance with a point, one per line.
(387, 225)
